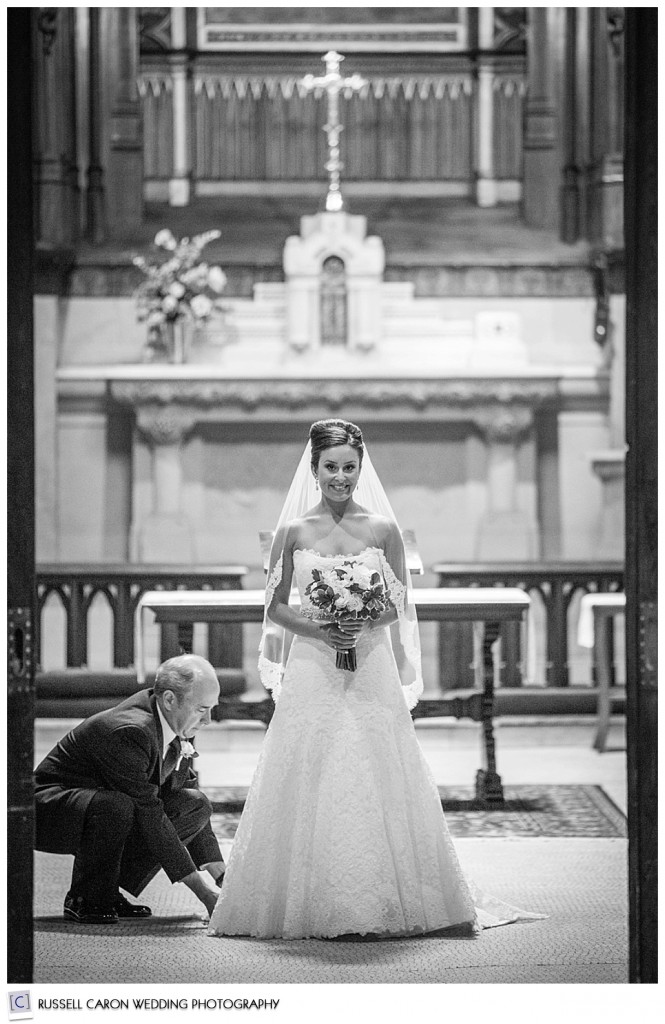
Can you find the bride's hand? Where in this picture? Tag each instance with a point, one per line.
(338, 638)
(353, 626)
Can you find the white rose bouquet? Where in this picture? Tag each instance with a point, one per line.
(180, 285)
(349, 590)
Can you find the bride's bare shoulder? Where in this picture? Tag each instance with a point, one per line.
(299, 531)
(381, 527)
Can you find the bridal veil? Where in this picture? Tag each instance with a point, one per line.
(275, 641)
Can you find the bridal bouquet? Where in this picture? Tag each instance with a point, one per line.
(344, 591)
(180, 285)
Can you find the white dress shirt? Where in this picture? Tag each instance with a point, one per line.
(168, 735)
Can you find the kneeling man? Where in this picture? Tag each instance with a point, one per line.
(119, 793)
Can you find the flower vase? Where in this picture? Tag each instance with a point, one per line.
(176, 340)
(157, 346)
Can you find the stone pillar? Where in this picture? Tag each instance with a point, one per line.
(124, 177)
(609, 468)
(609, 464)
(486, 185)
(540, 196)
(506, 532)
(303, 326)
(165, 533)
(364, 301)
(180, 183)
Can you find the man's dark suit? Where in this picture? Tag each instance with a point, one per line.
(120, 751)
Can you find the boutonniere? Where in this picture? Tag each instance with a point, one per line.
(187, 749)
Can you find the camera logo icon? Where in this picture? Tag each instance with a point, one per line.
(20, 1006)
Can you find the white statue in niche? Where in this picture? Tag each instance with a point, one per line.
(343, 237)
(333, 300)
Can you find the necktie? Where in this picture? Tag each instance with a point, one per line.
(171, 757)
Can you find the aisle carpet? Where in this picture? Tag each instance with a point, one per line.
(528, 811)
(579, 883)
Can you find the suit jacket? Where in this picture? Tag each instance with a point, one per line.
(119, 749)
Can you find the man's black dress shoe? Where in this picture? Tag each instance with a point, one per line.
(78, 908)
(124, 908)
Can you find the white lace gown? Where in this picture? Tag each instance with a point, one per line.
(343, 830)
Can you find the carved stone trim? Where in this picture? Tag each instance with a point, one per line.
(292, 394)
(165, 426)
(504, 425)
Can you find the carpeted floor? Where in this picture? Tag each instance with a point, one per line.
(527, 811)
(579, 882)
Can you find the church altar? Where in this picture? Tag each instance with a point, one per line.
(469, 404)
(458, 389)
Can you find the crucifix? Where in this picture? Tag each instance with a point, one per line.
(333, 83)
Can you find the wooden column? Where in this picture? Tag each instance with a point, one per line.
(540, 196)
(583, 149)
(57, 216)
(570, 191)
(96, 208)
(486, 186)
(605, 56)
(180, 183)
(124, 172)
(641, 210)
(20, 519)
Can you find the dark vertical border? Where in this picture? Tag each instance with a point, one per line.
(641, 212)
(20, 519)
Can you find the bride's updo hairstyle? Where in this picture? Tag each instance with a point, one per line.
(331, 434)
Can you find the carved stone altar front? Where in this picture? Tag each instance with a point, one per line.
(186, 408)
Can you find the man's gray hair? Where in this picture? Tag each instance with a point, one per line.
(178, 675)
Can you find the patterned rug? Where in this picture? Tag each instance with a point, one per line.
(565, 812)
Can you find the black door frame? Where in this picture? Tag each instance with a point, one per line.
(641, 478)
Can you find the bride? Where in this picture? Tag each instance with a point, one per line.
(343, 830)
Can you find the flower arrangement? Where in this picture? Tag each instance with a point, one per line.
(349, 590)
(180, 286)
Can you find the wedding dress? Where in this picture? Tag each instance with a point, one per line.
(343, 830)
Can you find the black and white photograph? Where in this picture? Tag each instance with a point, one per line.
(332, 509)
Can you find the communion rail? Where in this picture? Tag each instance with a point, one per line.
(77, 587)
(552, 587)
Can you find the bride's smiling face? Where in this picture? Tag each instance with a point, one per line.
(338, 472)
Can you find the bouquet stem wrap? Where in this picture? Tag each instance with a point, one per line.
(347, 660)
